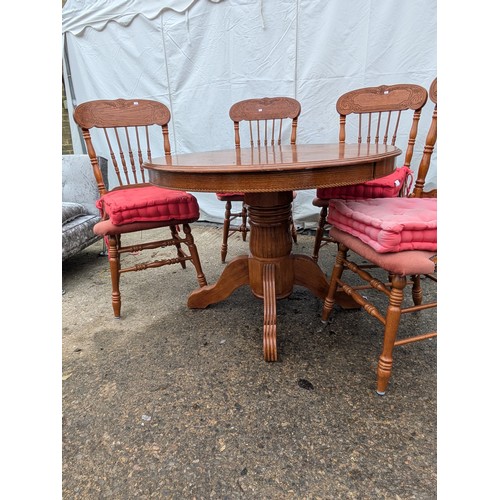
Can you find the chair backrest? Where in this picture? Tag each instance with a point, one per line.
(430, 142)
(126, 125)
(265, 118)
(379, 111)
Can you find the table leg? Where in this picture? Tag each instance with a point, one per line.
(269, 337)
(270, 269)
(235, 274)
(309, 275)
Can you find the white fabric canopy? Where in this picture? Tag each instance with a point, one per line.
(201, 56)
(80, 14)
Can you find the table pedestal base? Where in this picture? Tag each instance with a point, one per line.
(271, 270)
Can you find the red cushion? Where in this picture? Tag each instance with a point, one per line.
(405, 263)
(230, 196)
(148, 204)
(388, 224)
(106, 227)
(236, 196)
(385, 187)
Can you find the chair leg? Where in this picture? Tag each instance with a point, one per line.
(114, 266)
(319, 233)
(104, 251)
(174, 230)
(293, 229)
(225, 231)
(193, 252)
(244, 223)
(416, 290)
(338, 269)
(391, 329)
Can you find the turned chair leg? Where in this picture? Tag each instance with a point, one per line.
(338, 269)
(174, 230)
(391, 329)
(244, 218)
(114, 266)
(193, 252)
(319, 233)
(293, 229)
(225, 231)
(416, 290)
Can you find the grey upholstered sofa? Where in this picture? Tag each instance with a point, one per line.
(79, 194)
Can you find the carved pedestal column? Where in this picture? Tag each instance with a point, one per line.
(270, 241)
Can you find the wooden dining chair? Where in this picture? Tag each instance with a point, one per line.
(397, 236)
(375, 115)
(266, 118)
(127, 128)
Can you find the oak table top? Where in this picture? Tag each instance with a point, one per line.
(268, 175)
(273, 168)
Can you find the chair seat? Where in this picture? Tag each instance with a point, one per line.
(148, 204)
(388, 224)
(405, 263)
(388, 186)
(107, 228)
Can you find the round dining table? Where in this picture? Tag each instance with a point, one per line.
(268, 175)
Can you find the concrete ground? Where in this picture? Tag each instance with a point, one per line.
(169, 402)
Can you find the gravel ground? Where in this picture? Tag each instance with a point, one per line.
(169, 402)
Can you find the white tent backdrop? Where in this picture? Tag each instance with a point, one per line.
(201, 56)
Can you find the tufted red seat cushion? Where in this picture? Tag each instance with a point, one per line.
(388, 186)
(388, 224)
(149, 204)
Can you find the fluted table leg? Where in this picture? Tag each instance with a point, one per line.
(269, 340)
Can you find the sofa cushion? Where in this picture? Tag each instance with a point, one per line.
(388, 186)
(388, 224)
(71, 211)
(78, 234)
(147, 204)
